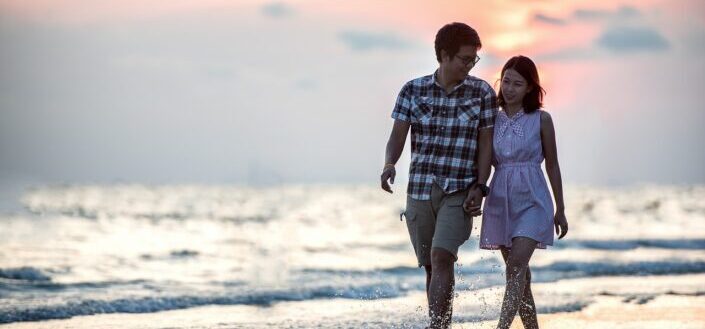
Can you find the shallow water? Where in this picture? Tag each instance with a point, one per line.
(81, 250)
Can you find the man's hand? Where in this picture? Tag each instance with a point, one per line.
(560, 223)
(473, 202)
(388, 173)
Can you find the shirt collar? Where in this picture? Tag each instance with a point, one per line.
(433, 80)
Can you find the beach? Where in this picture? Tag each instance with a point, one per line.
(620, 302)
(136, 256)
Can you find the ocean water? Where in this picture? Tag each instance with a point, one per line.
(75, 250)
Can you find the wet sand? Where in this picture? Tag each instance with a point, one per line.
(676, 301)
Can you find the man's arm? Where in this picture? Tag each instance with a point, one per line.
(484, 160)
(484, 156)
(488, 113)
(395, 146)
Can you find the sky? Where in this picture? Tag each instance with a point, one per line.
(260, 93)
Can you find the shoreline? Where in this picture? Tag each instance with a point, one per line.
(664, 311)
(669, 301)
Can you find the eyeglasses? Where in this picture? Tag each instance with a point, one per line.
(467, 61)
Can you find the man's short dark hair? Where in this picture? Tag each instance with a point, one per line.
(454, 35)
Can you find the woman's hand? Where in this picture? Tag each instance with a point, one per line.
(560, 223)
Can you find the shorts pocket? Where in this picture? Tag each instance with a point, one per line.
(455, 207)
(410, 215)
(456, 200)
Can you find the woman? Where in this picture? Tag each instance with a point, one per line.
(518, 215)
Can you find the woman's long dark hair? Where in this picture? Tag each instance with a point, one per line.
(527, 69)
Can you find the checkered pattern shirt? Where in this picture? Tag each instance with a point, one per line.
(444, 131)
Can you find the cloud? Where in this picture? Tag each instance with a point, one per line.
(568, 54)
(277, 10)
(305, 84)
(621, 33)
(488, 58)
(598, 14)
(632, 39)
(364, 41)
(622, 13)
(694, 40)
(549, 20)
(615, 40)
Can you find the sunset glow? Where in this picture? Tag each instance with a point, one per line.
(225, 163)
(197, 61)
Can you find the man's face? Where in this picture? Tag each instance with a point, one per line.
(459, 65)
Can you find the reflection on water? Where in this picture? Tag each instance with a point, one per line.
(80, 250)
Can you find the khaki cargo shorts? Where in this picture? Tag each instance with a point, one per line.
(437, 223)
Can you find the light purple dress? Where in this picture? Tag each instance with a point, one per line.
(519, 203)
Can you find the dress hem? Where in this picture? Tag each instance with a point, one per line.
(498, 246)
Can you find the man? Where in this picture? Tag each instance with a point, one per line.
(451, 115)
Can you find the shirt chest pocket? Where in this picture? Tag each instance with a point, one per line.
(468, 115)
(422, 112)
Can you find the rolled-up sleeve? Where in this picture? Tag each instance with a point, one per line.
(402, 108)
(488, 111)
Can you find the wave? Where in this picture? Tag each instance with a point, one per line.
(25, 273)
(15, 286)
(484, 265)
(618, 245)
(489, 272)
(156, 304)
(174, 254)
(491, 265)
(360, 285)
(607, 268)
(570, 306)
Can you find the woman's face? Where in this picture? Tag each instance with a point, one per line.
(514, 87)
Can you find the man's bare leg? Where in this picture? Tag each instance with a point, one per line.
(517, 265)
(527, 310)
(428, 286)
(441, 288)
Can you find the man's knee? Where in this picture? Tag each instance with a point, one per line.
(441, 258)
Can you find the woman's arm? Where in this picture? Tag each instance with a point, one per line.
(548, 142)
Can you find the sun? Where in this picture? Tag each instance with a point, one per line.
(512, 41)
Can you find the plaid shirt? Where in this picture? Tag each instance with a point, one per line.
(444, 131)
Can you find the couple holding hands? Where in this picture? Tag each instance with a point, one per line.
(459, 129)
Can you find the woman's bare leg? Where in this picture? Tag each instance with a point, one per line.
(517, 265)
(527, 310)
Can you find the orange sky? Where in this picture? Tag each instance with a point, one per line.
(507, 27)
(201, 60)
